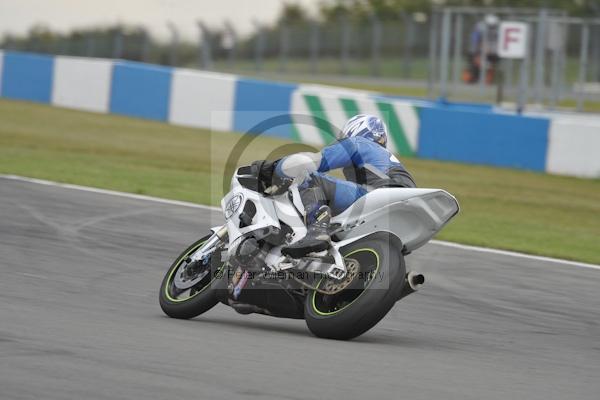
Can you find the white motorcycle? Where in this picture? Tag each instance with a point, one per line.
(341, 292)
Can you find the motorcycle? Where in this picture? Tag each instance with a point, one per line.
(341, 292)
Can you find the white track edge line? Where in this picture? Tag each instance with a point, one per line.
(110, 192)
(513, 254)
(205, 207)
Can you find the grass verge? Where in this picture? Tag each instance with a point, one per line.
(501, 208)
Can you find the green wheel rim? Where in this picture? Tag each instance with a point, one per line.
(314, 295)
(177, 265)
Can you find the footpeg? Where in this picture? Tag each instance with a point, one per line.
(336, 272)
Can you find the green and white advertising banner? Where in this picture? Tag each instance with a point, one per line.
(330, 109)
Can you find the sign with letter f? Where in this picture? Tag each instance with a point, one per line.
(512, 39)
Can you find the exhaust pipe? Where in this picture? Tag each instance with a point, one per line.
(412, 283)
(415, 280)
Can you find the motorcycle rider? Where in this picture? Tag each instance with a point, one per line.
(367, 165)
(483, 43)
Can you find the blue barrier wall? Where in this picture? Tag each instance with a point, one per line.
(483, 138)
(27, 77)
(140, 90)
(258, 101)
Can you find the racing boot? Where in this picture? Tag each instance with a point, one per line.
(317, 235)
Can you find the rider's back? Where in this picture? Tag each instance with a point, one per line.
(366, 162)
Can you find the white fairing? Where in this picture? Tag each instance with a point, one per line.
(287, 213)
(265, 211)
(414, 215)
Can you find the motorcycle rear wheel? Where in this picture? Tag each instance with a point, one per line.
(355, 310)
(198, 299)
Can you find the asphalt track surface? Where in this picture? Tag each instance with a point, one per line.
(79, 319)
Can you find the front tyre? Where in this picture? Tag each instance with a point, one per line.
(197, 299)
(374, 291)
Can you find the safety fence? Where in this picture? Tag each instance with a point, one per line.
(470, 133)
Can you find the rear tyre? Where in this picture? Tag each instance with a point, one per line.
(185, 304)
(355, 310)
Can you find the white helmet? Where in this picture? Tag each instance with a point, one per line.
(367, 126)
(491, 20)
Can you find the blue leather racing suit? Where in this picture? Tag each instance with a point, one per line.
(366, 166)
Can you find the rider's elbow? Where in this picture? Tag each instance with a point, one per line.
(298, 164)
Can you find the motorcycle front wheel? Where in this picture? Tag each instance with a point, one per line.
(186, 303)
(368, 298)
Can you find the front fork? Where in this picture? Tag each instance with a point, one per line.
(209, 246)
(240, 277)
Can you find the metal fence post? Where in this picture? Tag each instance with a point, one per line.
(90, 45)
(375, 45)
(376, 34)
(521, 101)
(483, 62)
(117, 44)
(445, 52)
(145, 55)
(205, 59)
(522, 97)
(173, 51)
(8, 43)
(539, 56)
(233, 43)
(34, 44)
(284, 43)
(408, 42)
(259, 46)
(345, 44)
(554, 78)
(314, 47)
(433, 44)
(557, 38)
(594, 40)
(509, 66)
(583, 60)
(458, 36)
(64, 47)
(563, 63)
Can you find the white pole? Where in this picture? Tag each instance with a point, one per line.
(458, 35)
(444, 61)
(583, 60)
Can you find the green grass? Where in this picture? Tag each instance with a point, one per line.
(409, 91)
(389, 67)
(501, 208)
(591, 106)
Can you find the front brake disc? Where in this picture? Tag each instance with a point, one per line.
(184, 280)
